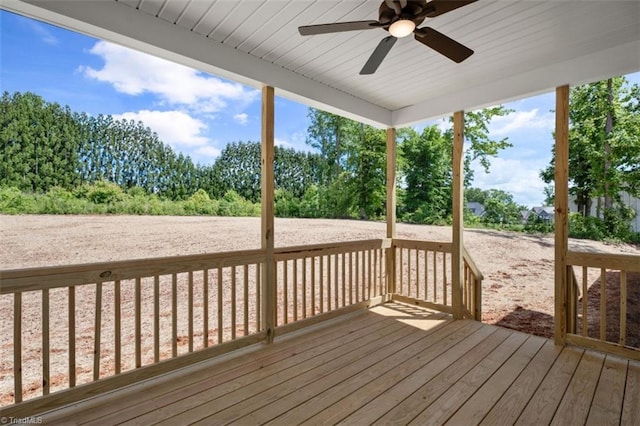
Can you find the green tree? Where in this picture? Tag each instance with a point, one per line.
(328, 134)
(426, 164)
(500, 209)
(604, 147)
(426, 173)
(38, 143)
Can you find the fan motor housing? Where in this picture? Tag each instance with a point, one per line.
(388, 16)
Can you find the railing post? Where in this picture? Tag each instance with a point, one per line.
(391, 211)
(457, 255)
(561, 214)
(267, 229)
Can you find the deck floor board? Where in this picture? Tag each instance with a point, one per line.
(392, 364)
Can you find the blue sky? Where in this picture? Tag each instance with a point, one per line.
(198, 114)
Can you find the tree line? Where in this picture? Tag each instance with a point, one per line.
(48, 148)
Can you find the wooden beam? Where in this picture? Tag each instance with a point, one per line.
(457, 260)
(268, 183)
(561, 217)
(391, 209)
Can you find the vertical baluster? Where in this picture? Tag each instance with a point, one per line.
(435, 278)
(17, 347)
(97, 327)
(285, 291)
(190, 309)
(321, 284)
(295, 289)
(363, 281)
(444, 275)
(357, 283)
(409, 274)
(344, 281)
(366, 259)
(275, 300)
(205, 308)
(46, 364)
(174, 315)
(72, 336)
(233, 303)
(156, 318)
(351, 278)
(401, 271)
(465, 286)
(329, 283)
(220, 325)
(382, 271)
(313, 286)
(245, 300)
(117, 326)
(304, 287)
(623, 307)
(417, 274)
(336, 283)
(369, 265)
(603, 304)
(377, 271)
(425, 254)
(585, 300)
(138, 315)
(258, 298)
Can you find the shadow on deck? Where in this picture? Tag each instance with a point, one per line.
(390, 364)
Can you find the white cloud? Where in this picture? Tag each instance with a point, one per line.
(282, 143)
(135, 73)
(241, 118)
(208, 153)
(521, 120)
(175, 128)
(43, 32)
(296, 140)
(519, 178)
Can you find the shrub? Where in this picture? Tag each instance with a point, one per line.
(14, 201)
(104, 192)
(200, 204)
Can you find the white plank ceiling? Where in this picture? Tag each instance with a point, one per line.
(521, 48)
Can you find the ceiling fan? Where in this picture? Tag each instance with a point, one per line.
(401, 18)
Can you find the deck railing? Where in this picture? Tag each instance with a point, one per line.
(89, 328)
(423, 276)
(598, 300)
(318, 279)
(120, 316)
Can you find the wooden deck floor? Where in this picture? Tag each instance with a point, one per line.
(393, 364)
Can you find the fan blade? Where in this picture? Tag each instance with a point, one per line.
(438, 7)
(338, 27)
(442, 44)
(378, 55)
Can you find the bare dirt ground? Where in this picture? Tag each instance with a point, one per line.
(517, 291)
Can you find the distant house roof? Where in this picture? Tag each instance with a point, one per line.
(476, 208)
(543, 212)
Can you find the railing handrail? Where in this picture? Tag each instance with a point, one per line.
(472, 264)
(440, 246)
(47, 277)
(628, 262)
(298, 252)
(41, 278)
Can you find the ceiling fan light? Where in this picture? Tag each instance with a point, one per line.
(402, 28)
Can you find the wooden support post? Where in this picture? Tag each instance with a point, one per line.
(391, 210)
(457, 253)
(561, 216)
(267, 183)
